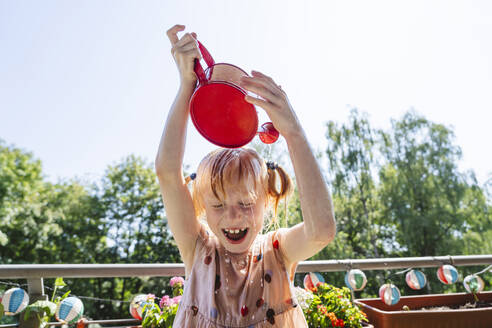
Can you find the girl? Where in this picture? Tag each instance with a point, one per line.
(236, 277)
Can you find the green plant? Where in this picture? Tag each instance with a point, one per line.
(330, 306)
(162, 316)
(44, 310)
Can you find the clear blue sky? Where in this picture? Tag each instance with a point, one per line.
(86, 83)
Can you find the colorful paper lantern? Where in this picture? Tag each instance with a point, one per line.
(447, 274)
(416, 279)
(355, 279)
(14, 300)
(69, 310)
(389, 294)
(473, 283)
(313, 279)
(137, 305)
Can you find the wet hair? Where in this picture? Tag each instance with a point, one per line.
(240, 167)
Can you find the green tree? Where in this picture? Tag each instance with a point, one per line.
(118, 220)
(134, 213)
(352, 161)
(137, 228)
(26, 221)
(428, 200)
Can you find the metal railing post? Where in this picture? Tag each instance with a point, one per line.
(35, 289)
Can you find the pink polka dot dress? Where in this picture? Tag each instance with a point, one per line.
(252, 289)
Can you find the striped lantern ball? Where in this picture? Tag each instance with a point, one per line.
(416, 279)
(138, 304)
(355, 279)
(389, 294)
(447, 274)
(69, 310)
(473, 283)
(313, 279)
(14, 300)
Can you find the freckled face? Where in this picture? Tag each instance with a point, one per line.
(237, 219)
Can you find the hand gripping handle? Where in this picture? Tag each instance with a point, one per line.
(200, 73)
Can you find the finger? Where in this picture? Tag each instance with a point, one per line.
(193, 34)
(263, 93)
(193, 53)
(257, 85)
(261, 75)
(184, 43)
(259, 102)
(274, 85)
(188, 46)
(271, 82)
(187, 38)
(172, 33)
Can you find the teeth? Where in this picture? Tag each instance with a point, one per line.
(235, 230)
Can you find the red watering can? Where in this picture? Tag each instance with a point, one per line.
(218, 109)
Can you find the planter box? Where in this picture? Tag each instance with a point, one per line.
(386, 316)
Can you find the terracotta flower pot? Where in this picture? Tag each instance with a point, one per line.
(386, 316)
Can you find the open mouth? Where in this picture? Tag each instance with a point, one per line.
(235, 236)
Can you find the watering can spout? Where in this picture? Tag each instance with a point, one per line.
(267, 133)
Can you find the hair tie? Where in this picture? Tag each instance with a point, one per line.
(272, 165)
(192, 176)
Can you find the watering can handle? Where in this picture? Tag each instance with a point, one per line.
(200, 73)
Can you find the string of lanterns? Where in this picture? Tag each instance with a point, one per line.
(15, 300)
(356, 280)
(71, 309)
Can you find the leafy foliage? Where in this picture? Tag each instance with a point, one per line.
(162, 316)
(45, 310)
(331, 306)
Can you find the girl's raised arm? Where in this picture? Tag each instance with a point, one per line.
(177, 200)
(318, 227)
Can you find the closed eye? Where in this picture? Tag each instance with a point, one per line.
(217, 206)
(246, 204)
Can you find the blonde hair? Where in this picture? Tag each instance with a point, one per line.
(233, 167)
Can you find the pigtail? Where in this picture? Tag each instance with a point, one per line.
(190, 178)
(286, 185)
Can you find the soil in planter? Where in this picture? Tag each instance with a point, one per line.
(476, 305)
(440, 310)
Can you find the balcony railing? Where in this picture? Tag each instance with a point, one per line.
(35, 273)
